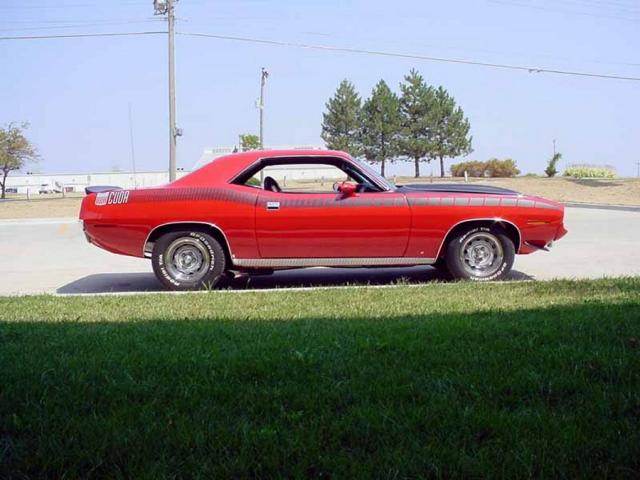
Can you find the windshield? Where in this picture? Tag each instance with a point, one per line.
(375, 175)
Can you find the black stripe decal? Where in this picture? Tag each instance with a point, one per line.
(227, 195)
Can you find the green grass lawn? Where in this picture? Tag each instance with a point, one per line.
(508, 380)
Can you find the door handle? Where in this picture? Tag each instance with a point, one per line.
(273, 205)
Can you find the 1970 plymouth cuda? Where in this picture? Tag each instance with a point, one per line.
(240, 213)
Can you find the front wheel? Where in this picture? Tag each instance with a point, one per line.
(480, 254)
(188, 260)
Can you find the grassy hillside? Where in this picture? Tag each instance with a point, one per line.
(453, 380)
(616, 191)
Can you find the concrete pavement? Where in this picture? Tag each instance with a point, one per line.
(52, 256)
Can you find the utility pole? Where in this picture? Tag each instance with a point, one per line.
(133, 152)
(166, 7)
(638, 164)
(263, 77)
(554, 147)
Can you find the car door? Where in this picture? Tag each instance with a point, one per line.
(332, 225)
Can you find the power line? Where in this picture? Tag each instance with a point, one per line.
(409, 55)
(530, 57)
(329, 48)
(84, 35)
(603, 6)
(114, 21)
(76, 25)
(75, 20)
(609, 3)
(561, 10)
(64, 5)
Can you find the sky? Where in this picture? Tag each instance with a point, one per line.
(76, 93)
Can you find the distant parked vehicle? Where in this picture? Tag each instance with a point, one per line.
(49, 188)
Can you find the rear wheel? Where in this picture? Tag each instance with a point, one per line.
(480, 254)
(188, 260)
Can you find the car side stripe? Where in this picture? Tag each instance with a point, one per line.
(222, 194)
(479, 202)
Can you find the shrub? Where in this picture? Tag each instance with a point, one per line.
(590, 171)
(501, 168)
(551, 170)
(473, 169)
(490, 168)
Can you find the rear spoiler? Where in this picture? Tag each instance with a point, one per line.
(100, 188)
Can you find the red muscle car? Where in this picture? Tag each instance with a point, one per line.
(240, 213)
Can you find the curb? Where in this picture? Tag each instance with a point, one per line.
(603, 206)
(38, 221)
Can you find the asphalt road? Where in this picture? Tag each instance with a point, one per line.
(52, 256)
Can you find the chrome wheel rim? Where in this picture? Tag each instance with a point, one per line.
(481, 254)
(187, 260)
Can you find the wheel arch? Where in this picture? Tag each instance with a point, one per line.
(511, 230)
(204, 227)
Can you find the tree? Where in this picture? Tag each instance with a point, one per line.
(340, 123)
(449, 129)
(380, 125)
(416, 102)
(248, 142)
(15, 151)
(551, 170)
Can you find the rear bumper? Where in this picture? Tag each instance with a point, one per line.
(561, 232)
(541, 238)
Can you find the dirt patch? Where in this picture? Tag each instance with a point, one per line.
(40, 208)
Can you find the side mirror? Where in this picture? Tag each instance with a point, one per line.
(347, 189)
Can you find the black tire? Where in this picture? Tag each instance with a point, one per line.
(176, 255)
(481, 254)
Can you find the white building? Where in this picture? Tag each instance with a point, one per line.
(76, 182)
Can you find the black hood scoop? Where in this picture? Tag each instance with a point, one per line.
(456, 188)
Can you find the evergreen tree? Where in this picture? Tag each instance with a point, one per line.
(449, 129)
(340, 123)
(416, 102)
(380, 125)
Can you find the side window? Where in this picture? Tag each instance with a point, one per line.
(300, 178)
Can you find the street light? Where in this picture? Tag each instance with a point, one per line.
(160, 6)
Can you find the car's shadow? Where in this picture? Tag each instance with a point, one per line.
(303, 278)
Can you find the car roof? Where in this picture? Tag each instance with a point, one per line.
(225, 168)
